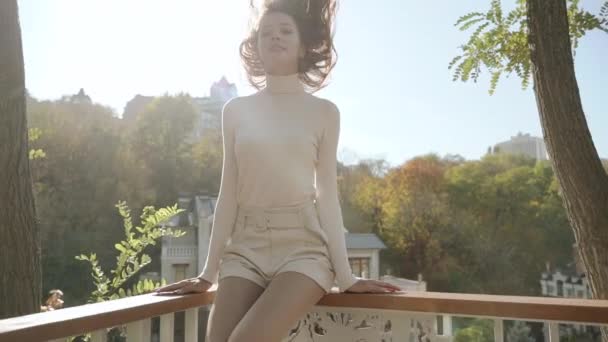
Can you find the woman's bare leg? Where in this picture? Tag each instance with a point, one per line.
(234, 296)
(288, 297)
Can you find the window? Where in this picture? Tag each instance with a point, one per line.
(560, 288)
(550, 289)
(570, 293)
(360, 267)
(180, 271)
(580, 294)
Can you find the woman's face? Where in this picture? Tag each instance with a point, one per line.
(279, 44)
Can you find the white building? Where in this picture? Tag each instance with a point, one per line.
(184, 257)
(363, 251)
(523, 144)
(566, 282)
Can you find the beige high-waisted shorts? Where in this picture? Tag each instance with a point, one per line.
(269, 240)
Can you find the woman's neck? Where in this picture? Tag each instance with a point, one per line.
(284, 84)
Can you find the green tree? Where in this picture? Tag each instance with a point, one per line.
(200, 164)
(75, 185)
(92, 161)
(359, 186)
(479, 330)
(499, 42)
(541, 46)
(160, 136)
(505, 210)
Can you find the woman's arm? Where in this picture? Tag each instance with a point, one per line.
(328, 204)
(226, 206)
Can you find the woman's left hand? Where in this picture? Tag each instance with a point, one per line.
(371, 285)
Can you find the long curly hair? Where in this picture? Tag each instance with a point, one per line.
(315, 21)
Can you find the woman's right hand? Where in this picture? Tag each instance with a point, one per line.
(373, 286)
(190, 285)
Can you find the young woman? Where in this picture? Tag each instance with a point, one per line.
(277, 243)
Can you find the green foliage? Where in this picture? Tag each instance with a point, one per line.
(500, 43)
(480, 330)
(75, 186)
(131, 258)
(580, 21)
(204, 156)
(357, 185)
(519, 332)
(160, 141)
(573, 335)
(510, 215)
(33, 135)
(93, 160)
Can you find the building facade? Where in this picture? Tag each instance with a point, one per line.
(522, 144)
(209, 107)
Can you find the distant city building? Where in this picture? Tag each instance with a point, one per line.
(223, 90)
(523, 144)
(209, 107)
(81, 97)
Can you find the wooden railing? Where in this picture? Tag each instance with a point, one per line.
(336, 317)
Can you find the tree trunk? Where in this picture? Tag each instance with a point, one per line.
(20, 274)
(577, 166)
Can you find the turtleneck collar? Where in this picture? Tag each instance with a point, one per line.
(284, 84)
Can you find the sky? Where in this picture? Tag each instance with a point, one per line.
(392, 84)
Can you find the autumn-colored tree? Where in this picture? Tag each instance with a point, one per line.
(484, 226)
(415, 215)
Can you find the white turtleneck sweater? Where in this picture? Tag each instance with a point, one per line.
(280, 148)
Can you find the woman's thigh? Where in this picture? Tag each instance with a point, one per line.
(288, 297)
(234, 296)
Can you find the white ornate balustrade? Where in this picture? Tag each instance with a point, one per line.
(337, 317)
